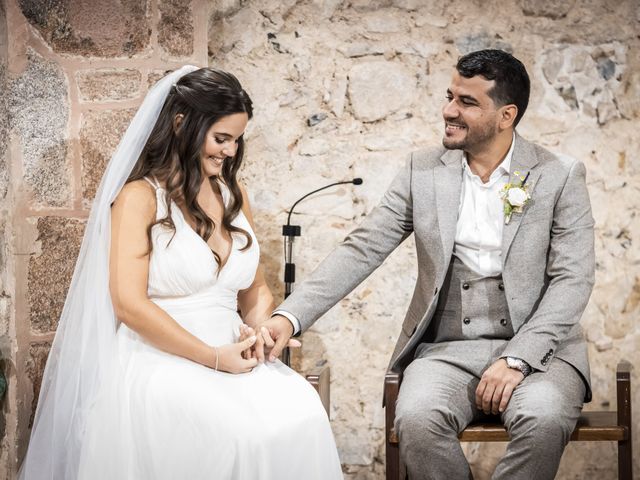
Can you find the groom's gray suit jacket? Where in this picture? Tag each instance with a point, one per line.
(547, 254)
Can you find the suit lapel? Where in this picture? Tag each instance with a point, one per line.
(524, 160)
(448, 184)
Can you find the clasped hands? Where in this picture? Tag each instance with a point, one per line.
(254, 346)
(492, 394)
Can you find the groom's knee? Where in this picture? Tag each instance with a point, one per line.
(419, 421)
(543, 414)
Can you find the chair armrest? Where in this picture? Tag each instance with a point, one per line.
(391, 388)
(623, 370)
(320, 379)
(623, 393)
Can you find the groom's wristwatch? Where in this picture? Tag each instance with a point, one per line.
(518, 364)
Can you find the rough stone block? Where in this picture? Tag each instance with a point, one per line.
(326, 8)
(175, 28)
(5, 313)
(99, 136)
(314, 146)
(4, 110)
(479, 41)
(629, 100)
(226, 8)
(338, 95)
(242, 32)
(38, 353)
(4, 134)
(5, 298)
(589, 78)
(114, 28)
(378, 89)
(369, 5)
(361, 49)
(383, 21)
(553, 9)
(39, 113)
(51, 270)
(156, 75)
(383, 143)
(108, 84)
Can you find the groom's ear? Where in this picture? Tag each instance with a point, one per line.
(177, 121)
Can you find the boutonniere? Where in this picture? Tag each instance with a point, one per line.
(515, 196)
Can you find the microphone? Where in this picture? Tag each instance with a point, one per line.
(290, 232)
(355, 181)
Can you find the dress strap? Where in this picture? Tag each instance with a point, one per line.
(161, 206)
(154, 183)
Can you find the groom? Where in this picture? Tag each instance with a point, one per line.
(504, 239)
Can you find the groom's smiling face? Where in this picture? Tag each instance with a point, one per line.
(470, 114)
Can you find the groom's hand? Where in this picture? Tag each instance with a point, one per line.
(273, 335)
(496, 386)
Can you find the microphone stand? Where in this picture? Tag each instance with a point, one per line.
(289, 232)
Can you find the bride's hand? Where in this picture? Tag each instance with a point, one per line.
(245, 332)
(230, 357)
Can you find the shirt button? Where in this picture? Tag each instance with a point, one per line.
(501, 286)
(465, 286)
(503, 322)
(466, 320)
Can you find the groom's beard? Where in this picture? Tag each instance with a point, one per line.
(471, 138)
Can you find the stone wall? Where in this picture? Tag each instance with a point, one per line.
(341, 89)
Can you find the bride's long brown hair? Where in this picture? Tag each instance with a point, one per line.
(173, 153)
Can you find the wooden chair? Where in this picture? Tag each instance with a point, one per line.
(319, 379)
(605, 426)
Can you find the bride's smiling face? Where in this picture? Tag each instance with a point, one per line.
(221, 142)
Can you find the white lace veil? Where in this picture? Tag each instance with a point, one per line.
(84, 348)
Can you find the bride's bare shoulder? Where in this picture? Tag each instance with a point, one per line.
(136, 198)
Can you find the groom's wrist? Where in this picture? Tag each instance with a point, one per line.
(292, 318)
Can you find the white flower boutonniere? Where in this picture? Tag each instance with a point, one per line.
(515, 195)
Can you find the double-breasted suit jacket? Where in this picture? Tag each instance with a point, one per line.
(547, 254)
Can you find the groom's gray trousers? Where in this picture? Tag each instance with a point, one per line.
(469, 331)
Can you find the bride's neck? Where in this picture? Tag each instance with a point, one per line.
(208, 189)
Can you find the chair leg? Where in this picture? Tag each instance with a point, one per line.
(623, 394)
(391, 389)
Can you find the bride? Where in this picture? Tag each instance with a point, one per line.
(152, 374)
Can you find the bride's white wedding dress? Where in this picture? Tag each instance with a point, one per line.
(165, 417)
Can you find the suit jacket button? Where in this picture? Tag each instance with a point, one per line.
(543, 361)
(550, 352)
(465, 286)
(503, 322)
(466, 320)
(501, 286)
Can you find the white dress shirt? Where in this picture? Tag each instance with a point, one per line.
(478, 241)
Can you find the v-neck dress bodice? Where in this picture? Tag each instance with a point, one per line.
(183, 269)
(163, 417)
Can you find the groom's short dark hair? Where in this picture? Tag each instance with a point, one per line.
(512, 81)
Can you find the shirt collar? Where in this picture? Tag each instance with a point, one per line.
(505, 165)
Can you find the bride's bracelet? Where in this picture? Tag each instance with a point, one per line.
(216, 350)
